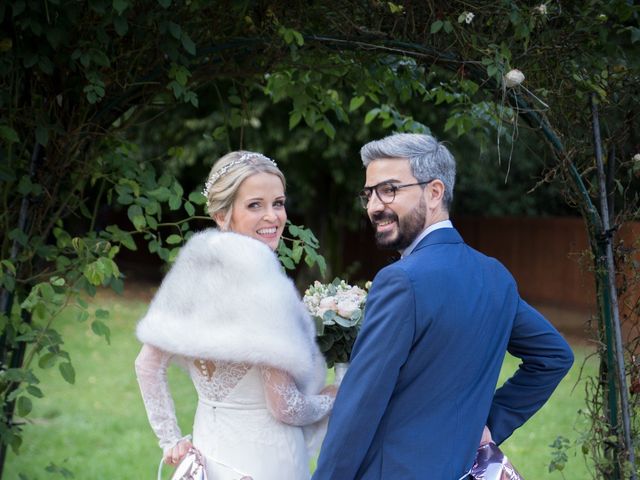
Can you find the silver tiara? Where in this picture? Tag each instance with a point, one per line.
(219, 173)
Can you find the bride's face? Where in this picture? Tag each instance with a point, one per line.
(258, 210)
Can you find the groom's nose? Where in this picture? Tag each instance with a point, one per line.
(374, 205)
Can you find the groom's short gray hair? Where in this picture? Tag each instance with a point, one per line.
(428, 158)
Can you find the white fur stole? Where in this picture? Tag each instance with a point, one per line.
(226, 298)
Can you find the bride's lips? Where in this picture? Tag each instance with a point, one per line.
(268, 232)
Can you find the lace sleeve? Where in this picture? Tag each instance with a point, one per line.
(151, 371)
(288, 404)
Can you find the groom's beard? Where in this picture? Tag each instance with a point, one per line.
(407, 229)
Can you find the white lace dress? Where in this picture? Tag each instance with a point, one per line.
(249, 417)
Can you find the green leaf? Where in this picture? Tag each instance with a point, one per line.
(55, 469)
(219, 133)
(82, 316)
(309, 260)
(45, 65)
(393, 8)
(188, 206)
(101, 313)
(101, 329)
(448, 28)
(198, 198)
(328, 129)
(121, 25)
(47, 360)
(24, 406)
(127, 240)
(35, 391)
(174, 239)
(152, 208)
(120, 6)
(19, 236)
(436, 26)
(117, 284)
(328, 317)
(175, 30)
(134, 212)
(294, 119)
(322, 265)
(68, 372)
(371, 115)
(8, 264)
(25, 185)
(8, 282)
(8, 134)
(174, 202)
(164, 3)
(93, 273)
(344, 322)
(188, 44)
(298, 37)
(356, 102)
(161, 194)
(177, 188)
(294, 230)
(296, 253)
(287, 262)
(450, 123)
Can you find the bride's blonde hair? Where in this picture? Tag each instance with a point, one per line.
(226, 176)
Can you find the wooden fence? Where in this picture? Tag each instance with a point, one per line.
(549, 257)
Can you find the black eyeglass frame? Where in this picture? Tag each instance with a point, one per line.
(367, 192)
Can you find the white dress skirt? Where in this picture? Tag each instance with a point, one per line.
(248, 421)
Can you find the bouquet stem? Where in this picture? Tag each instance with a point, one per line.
(340, 371)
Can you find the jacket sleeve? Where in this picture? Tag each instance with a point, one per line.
(546, 359)
(381, 349)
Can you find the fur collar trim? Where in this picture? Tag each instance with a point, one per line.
(226, 298)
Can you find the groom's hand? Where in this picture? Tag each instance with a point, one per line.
(486, 436)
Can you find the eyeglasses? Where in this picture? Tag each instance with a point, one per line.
(386, 191)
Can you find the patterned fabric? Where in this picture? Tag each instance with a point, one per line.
(214, 382)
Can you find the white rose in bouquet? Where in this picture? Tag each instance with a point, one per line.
(337, 308)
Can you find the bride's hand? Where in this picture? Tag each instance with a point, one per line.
(486, 436)
(176, 453)
(330, 390)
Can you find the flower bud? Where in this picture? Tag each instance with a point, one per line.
(513, 78)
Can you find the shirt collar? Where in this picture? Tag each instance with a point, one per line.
(443, 224)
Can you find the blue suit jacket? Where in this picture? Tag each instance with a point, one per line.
(421, 385)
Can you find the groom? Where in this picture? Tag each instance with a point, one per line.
(419, 396)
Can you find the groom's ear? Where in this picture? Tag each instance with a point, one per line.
(435, 192)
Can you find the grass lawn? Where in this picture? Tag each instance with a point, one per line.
(98, 428)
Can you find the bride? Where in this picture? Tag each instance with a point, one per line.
(229, 315)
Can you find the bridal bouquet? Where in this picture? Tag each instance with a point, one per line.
(337, 308)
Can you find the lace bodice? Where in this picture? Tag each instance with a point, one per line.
(215, 381)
